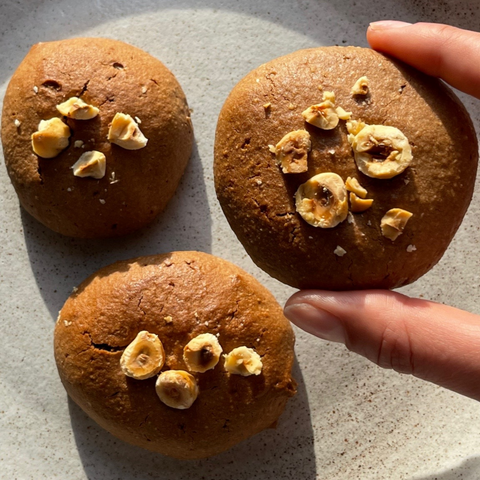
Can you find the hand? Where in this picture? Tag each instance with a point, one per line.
(434, 342)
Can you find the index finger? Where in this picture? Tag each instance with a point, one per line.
(439, 50)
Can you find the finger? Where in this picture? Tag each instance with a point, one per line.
(439, 50)
(431, 341)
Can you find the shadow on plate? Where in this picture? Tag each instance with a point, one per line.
(282, 453)
(60, 263)
(467, 470)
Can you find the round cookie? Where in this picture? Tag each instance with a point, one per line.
(115, 78)
(258, 199)
(176, 296)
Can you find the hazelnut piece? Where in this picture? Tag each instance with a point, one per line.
(322, 200)
(125, 132)
(292, 151)
(202, 353)
(177, 389)
(360, 87)
(76, 108)
(358, 204)
(50, 138)
(243, 361)
(322, 115)
(393, 223)
(352, 185)
(381, 151)
(90, 164)
(144, 357)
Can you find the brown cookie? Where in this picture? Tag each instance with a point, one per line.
(258, 198)
(176, 296)
(115, 78)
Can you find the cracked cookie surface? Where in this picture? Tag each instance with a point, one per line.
(177, 296)
(258, 199)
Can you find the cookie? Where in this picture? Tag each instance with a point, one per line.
(221, 374)
(92, 172)
(339, 168)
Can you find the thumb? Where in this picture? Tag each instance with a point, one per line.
(434, 342)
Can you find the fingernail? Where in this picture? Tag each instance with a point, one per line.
(387, 24)
(316, 321)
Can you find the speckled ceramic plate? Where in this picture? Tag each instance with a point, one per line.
(350, 420)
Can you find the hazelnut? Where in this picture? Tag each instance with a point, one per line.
(322, 200)
(393, 223)
(343, 114)
(177, 389)
(352, 185)
(339, 251)
(144, 357)
(360, 87)
(76, 108)
(202, 353)
(125, 133)
(381, 151)
(50, 138)
(322, 115)
(292, 151)
(359, 204)
(243, 361)
(90, 164)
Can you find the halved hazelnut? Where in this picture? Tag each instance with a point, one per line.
(144, 357)
(359, 204)
(393, 222)
(76, 108)
(322, 200)
(292, 151)
(360, 87)
(90, 164)
(202, 353)
(125, 132)
(243, 361)
(322, 115)
(50, 138)
(352, 185)
(177, 389)
(381, 151)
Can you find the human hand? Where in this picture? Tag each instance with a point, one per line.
(431, 341)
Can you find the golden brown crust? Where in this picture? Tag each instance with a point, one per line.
(258, 200)
(115, 77)
(176, 296)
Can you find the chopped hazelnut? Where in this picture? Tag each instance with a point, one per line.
(360, 87)
(292, 151)
(76, 108)
(90, 164)
(125, 133)
(393, 222)
(50, 138)
(359, 204)
(322, 115)
(322, 200)
(352, 185)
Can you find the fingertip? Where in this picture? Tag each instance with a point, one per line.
(387, 24)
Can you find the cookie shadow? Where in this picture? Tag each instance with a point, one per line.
(282, 453)
(60, 263)
(467, 470)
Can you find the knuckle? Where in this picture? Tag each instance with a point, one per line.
(395, 348)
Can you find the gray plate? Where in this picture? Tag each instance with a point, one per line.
(350, 420)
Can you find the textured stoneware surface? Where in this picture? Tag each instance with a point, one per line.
(350, 420)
